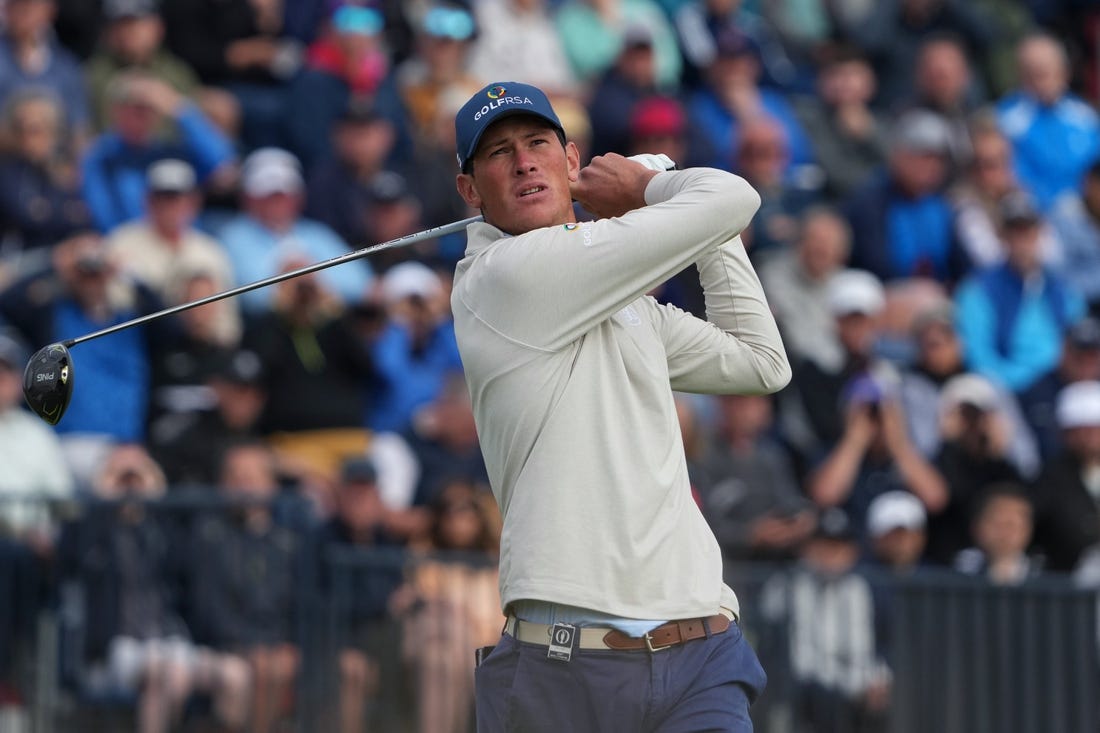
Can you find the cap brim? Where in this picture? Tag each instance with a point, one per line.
(498, 115)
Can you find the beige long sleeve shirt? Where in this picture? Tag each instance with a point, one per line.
(571, 370)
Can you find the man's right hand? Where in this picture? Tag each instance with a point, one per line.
(612, 185)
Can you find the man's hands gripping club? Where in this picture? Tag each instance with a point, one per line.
(612, 185)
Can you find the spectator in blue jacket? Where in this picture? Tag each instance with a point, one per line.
(114, 166)
(30, 54)
(1013, 316)
(733, 94)
(1055, 134)
(902, 224)
(270, 231)
(416, 350)
(1076, 219)
(82, 293)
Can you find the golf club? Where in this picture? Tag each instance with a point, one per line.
(48, 378)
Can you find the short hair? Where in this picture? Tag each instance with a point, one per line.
(1000, 490)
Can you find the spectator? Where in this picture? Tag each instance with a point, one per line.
(40, 201)
(761, 157)
(452, 605)
(944, 84)
(659, 124)
(829, 612)
(896, 524)
(416, 350)
(752, 500)
(849, 138)
(360, 595)
(245, 572)
(732, 96)
(1055, 134)
(83, 292)
(132, 37)
(937, 362)
(208, 334)
(163, 246)
(629, 81)
(270, 231)
(444, 440)
(699, 22)
(892, 34)
(1013, 332)
(114, 167)
(1076, 219)
(797, 285)
(311, 348)
(351, 48)
(31, 55)
(1067, 516)
(593, 32)
(518, 35)
(811, 417)
(873, 455)
(245, 52)
(339, 187)
(34, 467)
(902, 224)
(189, 445)
(1079, 361)
(974, 445)
(135, 641)
(977, 196)
(1002, 529)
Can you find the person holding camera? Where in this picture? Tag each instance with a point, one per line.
(874, 454)
(83, 292)
(975, 440)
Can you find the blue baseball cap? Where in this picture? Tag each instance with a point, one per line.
(494, 102)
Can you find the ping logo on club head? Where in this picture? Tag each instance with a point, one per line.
(44, 377)
(496, 92)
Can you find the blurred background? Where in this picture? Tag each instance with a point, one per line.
(271, 514)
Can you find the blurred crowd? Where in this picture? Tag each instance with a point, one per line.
(929, 240)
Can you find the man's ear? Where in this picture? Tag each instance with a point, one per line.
(573, 157)
(464, 182)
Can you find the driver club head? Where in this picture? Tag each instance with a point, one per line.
(48, 382)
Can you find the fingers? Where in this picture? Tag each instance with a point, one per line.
(612, 185)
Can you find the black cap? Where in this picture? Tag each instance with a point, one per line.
(1085, 334)
(358, 470)
(387, 187)
(358, 112)
(1019, 208)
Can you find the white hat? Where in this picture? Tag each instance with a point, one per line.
(1079, 405)
(170, 175)
(969, 389)
(271, 170)
(895, 510)
(855, 291)
(408, 279)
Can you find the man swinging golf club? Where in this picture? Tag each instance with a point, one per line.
(611, 580)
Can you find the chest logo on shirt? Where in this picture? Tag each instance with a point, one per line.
(585, 229)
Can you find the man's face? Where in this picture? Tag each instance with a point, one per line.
(173, 212)
(520, 176)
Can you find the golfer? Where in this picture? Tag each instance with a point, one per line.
(611, 580)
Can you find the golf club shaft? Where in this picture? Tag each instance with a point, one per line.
(404, 241)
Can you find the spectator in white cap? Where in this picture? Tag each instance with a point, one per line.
(1068, 490)
(974, 445)
(416, 349)
(810, 413)
(896, 524)
(164, 245)
(270, 231)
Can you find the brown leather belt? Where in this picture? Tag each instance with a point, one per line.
(592, 637)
